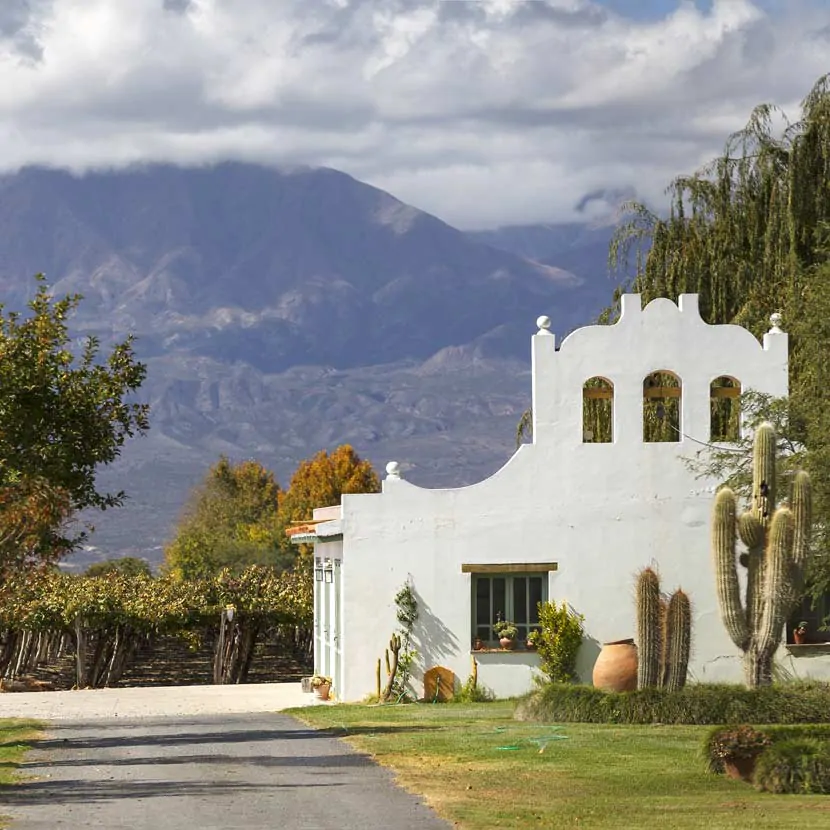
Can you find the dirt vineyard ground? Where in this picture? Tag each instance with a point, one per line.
(168, 661)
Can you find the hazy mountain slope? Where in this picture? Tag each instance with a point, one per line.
(280, 312)
(581, 249)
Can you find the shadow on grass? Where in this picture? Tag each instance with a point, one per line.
(344, 731)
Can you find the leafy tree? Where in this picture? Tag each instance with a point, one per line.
(230, 521)
(322, 480)
(62, 415)
(33, 516)
(126, 565)
(748, 233)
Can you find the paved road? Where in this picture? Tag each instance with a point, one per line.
(153, 701)
(206, 772)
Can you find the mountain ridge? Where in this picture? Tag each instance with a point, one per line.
(284, 312)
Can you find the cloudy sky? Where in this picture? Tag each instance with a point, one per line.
(487, 112)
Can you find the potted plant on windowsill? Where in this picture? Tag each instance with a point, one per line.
(800, 633)
(507, 633)
(533, 639)
(321, 686)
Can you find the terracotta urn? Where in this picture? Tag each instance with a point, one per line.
(741, 768)
(616, 667)
(322, 691)
(507, 643)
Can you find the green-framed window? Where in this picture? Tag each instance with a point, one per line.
(514, 597)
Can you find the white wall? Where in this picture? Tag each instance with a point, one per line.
(601, 511)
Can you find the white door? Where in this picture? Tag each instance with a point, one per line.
(336, 639)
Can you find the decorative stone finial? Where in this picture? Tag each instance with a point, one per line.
(543, 323)
(775, 320)
(393, 470)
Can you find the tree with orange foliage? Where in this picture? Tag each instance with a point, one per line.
(321, 481)
(33, 516)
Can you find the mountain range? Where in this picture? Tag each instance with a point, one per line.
(281, 311)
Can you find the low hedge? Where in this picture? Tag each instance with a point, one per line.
(806, 702)
(797, 765)
(795, 760)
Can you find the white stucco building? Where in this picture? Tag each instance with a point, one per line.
(567, 518)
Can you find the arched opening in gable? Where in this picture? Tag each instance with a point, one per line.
(598, 411)
(662, 407)
(725, 409)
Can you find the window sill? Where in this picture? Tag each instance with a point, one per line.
(797, 649)
(503, 651)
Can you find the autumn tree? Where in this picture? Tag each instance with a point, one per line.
(321, 481)
(63, 414)
(33, 518)
(230, 521)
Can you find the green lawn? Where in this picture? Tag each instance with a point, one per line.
(480, 768)
(15, 739)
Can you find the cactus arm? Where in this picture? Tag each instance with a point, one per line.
(751, 531)
(802, 507)
(777, 583)
(763, 473)
(724, 534)
(648, 629)
(678, 640)
(752, 534)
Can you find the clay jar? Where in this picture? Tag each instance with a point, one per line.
(616, 667)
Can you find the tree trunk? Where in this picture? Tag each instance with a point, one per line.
(8, 651)
(24, 647)
(246, 653)
(80, 654)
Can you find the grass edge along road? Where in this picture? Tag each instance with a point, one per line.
(16, 738)
(478, 767)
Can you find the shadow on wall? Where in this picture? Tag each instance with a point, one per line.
(432, 639)
(586, 657)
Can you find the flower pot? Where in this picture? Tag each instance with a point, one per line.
(322, 691)
(740, 767)
(478, 645)
(799, 637)
(530, 645)
(507, 643)
(616, 667)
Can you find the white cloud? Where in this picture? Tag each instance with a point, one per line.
(483, 112)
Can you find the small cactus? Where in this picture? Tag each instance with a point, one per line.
(663, 634)
(392, 664)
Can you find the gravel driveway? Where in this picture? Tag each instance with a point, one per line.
(204, 772)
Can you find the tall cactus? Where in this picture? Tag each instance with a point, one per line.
(664, 631)
(649, 646)
(678, 641)
(777, 543)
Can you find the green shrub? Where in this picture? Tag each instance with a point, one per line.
(794, 765)
(473, 692)
(558, 640)
(695, 704)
